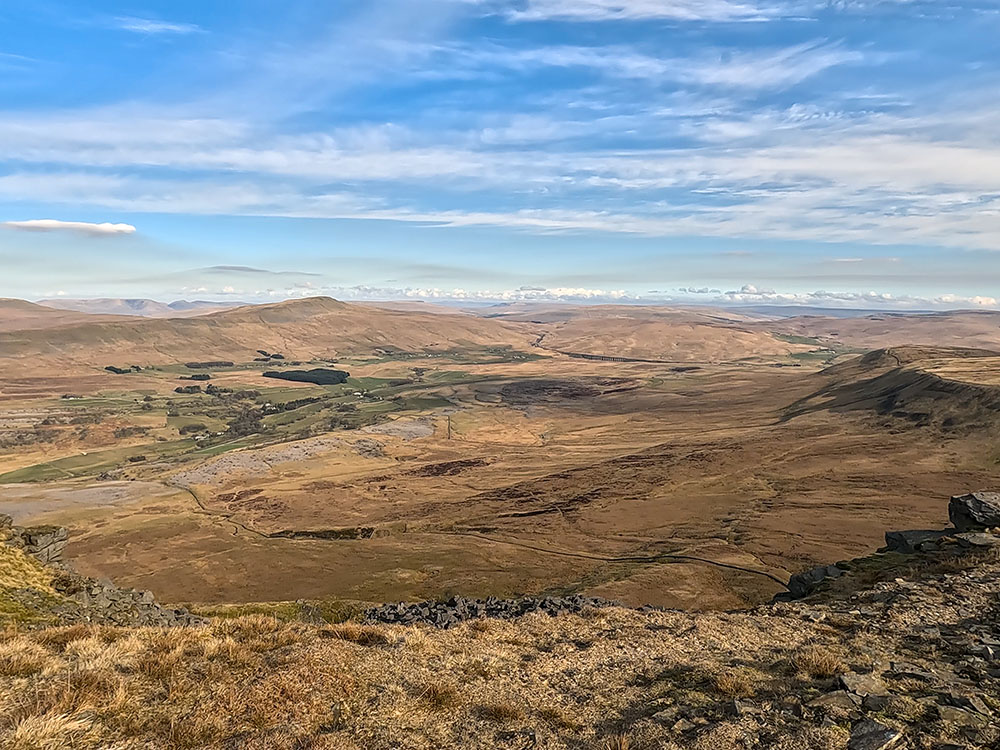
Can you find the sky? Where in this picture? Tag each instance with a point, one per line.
(832, 153)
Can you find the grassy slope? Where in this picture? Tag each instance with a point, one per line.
(26, 593)
(606, 680)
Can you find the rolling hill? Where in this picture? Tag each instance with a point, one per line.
(960, 328)
(19, 315)
(300, 329)
(648, 332)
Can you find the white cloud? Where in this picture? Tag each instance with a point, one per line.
(759, 69)
(630, 10)
(751, 294)
(153, 26)
(800, 173)
(54, 225)
(748, 294)
(521, 294)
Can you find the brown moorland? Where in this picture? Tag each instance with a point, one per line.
(475, 466)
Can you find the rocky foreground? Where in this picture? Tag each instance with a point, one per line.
(901, 650)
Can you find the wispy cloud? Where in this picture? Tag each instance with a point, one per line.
(631, 10)
(876, 179)
(252, 271)
(757, 69)
(655, 118)
(82, 227)
(154, 26)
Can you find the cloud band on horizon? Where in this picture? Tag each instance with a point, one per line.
(82, 227)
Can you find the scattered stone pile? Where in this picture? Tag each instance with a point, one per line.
(933, 654)
(458, 609)
(102, 602)
(86, 599)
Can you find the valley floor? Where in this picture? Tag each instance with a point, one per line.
(685, 487)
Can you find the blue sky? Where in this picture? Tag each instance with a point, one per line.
(713, 151)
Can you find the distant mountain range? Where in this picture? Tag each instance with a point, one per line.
(146, 308)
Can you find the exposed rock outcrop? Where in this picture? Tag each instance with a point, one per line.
(802, 584)
(975, 511)
(911, 542)
(44, 543)
(78, 598)
(976, 528)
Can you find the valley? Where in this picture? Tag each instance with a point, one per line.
(459, 458)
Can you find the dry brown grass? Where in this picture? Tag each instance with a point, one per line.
(363, 635)
(739, 682)
(259, 683)
(558, 717)
(816, 661)
(439, 695)
(618, 742)
(18, 570)
(188, 687)
(58, 638)
(500, 711)
(21, 658)
(52, 732)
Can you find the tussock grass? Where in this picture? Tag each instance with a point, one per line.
(184, 688)
(258, 682)
(21, 657)
(500, 711)
(363, 635)
(816, 661)
(439, 695)
(738, 682)
(51, 732)
(557, 717)
(18, 570)
(58, 638)
(618, 742)
(26, 593)
(481, 626)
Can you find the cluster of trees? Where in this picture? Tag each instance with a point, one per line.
(247, 422)
(21, 438)
(123, 370)
(207, 365)
(318, 376)
(227, 395)
(291, 405)
(130, 431)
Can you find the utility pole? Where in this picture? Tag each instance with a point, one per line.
(449, 426)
